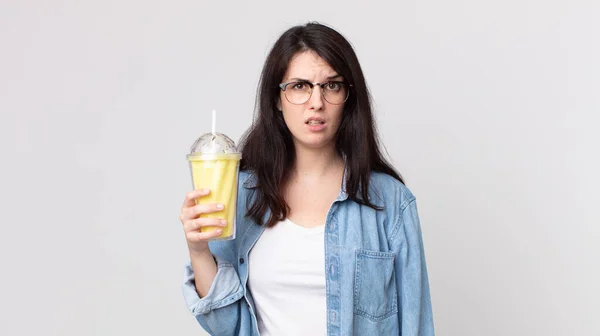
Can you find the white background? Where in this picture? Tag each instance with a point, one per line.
(489, 109)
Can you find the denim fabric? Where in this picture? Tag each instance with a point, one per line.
(376, 277)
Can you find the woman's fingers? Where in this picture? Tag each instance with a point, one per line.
(197, 210)
(192, 223)
(190, 198)
(196, 224)
(197, 236)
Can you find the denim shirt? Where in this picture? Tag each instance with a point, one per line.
(376, 277)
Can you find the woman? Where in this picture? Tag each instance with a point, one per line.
(328, 237)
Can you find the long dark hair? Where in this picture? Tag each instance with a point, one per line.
(267, 147)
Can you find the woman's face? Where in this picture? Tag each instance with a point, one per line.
(314, 123)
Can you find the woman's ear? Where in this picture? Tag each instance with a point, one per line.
(278, 104)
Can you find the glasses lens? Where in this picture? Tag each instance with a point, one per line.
(297, 93)
(335, 92)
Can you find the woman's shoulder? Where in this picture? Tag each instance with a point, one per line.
(247, 178)
(395, 198)
(389, 189)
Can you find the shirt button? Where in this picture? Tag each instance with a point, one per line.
(241, 260)
(332, 316)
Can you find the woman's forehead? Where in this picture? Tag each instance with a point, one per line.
(308, 65)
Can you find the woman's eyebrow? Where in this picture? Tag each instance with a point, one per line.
(296, 79)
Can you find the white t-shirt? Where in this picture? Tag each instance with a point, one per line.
(286, 276)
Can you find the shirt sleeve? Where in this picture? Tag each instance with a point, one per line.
(219, 311)
(415, 312)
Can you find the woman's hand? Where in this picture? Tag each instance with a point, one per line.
(190, 218)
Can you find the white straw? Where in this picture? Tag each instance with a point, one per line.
(214, 122)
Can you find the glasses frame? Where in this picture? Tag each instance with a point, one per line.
(283, 87)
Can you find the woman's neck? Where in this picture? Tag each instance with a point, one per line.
(316, 163)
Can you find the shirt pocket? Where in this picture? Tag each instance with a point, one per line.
(375, 293)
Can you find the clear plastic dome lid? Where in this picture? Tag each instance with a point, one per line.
(213, 143)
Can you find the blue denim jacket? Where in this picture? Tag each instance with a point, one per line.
(376, 278)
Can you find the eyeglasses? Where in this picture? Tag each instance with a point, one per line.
(299, 92)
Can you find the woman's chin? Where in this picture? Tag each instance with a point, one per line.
(313, 142)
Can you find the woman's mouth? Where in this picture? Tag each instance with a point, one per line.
(315, 124)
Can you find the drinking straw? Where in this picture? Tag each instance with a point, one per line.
(214, 122)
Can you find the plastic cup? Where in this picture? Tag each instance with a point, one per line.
(214, 164)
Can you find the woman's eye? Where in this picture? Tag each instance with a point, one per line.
(333, 86)
(299, 86)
